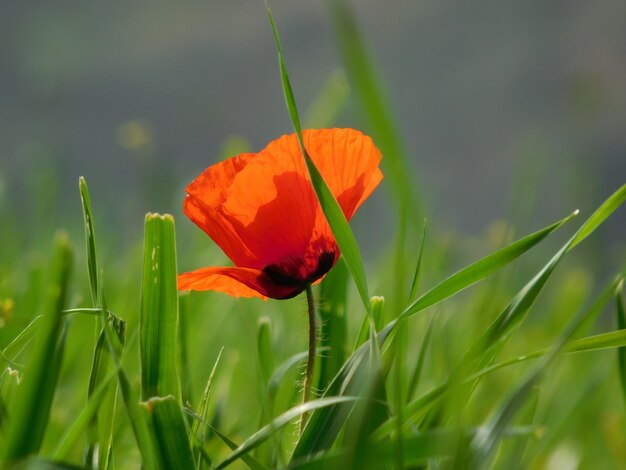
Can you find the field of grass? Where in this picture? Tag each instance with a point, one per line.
(511, 356)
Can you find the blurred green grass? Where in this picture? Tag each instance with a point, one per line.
(580, 392)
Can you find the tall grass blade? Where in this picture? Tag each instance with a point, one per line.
(100, 432)
(29, 414)
(334, 328)
(620, 313)
(335, 216)
(158, 331)
(372, 99)
(170, 432)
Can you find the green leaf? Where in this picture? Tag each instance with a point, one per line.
(267, 431)
(159, 310)
(170, 432)
(30, 412)
(335, 216)
(370, 95)
(15, 347)
(250, 461)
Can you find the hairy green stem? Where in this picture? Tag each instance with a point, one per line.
(310, 365)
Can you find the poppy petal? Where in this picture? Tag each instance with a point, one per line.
(236, 282)
(205, 197)
(348, 160)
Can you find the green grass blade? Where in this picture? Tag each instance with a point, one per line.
(334, 327)
(418, 266)
(203, 407)
(481, 269)
(335, 216)
(76, 431)
(29, 414)
(421, 359)
(600, 215)
(170, 432)
(90, 237)
(159, 310)
(376, 109)
(614, 339)
(620, 313)
(15, 347)
(250, 461)
(324, 426)
(267, 431)
(484, 445)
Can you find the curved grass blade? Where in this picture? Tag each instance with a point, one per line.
(374, 103)
(266, 432)
(90, 237)
(159, 310)
(334, 215)
(31, 410)
(15, 347)
(324, 425)
(481, 269)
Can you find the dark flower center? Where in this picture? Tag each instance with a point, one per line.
(278, 275)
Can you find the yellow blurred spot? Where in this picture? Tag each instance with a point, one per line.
(137, 136)
(6, 310)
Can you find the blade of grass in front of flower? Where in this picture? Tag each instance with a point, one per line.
(485, 444)
(158, 330)
(621, 325)
(333, 308)
(170, 432)
(329, 102)
(287, 417)
(335, 216)
(30, 412)
(370, 96)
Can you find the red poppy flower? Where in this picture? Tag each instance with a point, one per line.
(262, 211)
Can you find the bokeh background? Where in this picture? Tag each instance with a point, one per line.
(493, 100)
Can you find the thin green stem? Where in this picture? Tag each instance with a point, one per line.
(310, 365)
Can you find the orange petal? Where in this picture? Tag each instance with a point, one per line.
(347, 159)
(236, 282)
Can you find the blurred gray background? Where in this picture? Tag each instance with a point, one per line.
(494, 99)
